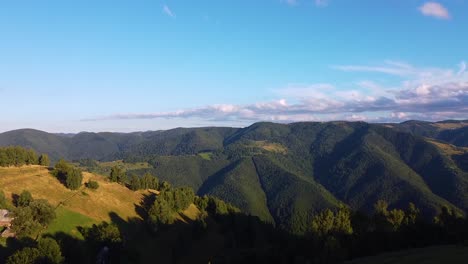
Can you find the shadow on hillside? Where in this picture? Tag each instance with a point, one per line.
(12, 245)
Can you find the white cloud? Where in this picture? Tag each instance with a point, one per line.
(321, 2)
(425, 93)
(462, 66)
(434, 9)
(168, 11)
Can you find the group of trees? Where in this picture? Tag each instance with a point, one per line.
(93, 185)
(147, 181)
(18, 156)
(46, 250)
(68, 174)
(342, 234)
(31, 216)
(167, 203)
(135, 182)
(118, 174)
(215, 205)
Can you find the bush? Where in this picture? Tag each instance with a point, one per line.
(24, 199)
(93, 185)
(70, 176)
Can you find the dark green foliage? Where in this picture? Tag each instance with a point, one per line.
(93, 185)
(178, 199)
(457, 136)
(239, 185)
(149, 181)
(44, 160)
(103, 234)
(160, 214)
(17, 156)
(214, 205)
(24, 224)
(167, 203)
(31, 219)
(73, 179)
(318, 164)
(135, 183)
(24, 256)
(49, 251)
(389, 220)
(3, 201)
(24, 199)
(164, 186)
(190, 171)
(328, 222)
(117, 174)
(69, 175)
(89, 163)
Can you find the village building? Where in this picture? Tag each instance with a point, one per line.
(5, 223)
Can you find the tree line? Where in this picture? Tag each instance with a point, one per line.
(18, 156)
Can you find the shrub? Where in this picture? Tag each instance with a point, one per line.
(93, 185)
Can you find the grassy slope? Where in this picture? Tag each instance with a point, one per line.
(67, 222)
(111, 202)
(96, 205)
(78, 208)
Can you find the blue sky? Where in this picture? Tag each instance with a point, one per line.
(69, 66)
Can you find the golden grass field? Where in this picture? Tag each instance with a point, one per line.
(96, 204)
(269, 146)
(450, 125)
(448, 148)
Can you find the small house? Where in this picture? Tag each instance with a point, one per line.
(5, 219)
(5, 223)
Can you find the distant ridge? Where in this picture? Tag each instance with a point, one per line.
(284, 173)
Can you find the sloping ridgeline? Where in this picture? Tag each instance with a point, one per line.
(286, 173)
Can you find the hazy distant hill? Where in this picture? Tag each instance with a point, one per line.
(451, 131)
(285, 173)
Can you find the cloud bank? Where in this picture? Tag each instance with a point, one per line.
(425, 93)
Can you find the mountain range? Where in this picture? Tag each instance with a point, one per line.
(285, 173)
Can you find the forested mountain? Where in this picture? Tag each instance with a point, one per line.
(286, 173)
(451, 131)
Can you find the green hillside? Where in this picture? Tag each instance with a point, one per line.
(284, 173)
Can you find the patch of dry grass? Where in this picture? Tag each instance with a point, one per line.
(448, 148)
(269, 146)
(450, 125)
(191, 213)
(96, 204)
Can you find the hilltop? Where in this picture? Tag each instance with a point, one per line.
(89, 206)
(285, 173)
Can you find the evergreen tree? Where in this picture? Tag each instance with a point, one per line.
(135, 183)
(44, 160)
(117, 174)
(93, 185)
(70, 176)
(49, 251)
(24, 199)
(160, 214)
(24, 256)
(73, 179)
